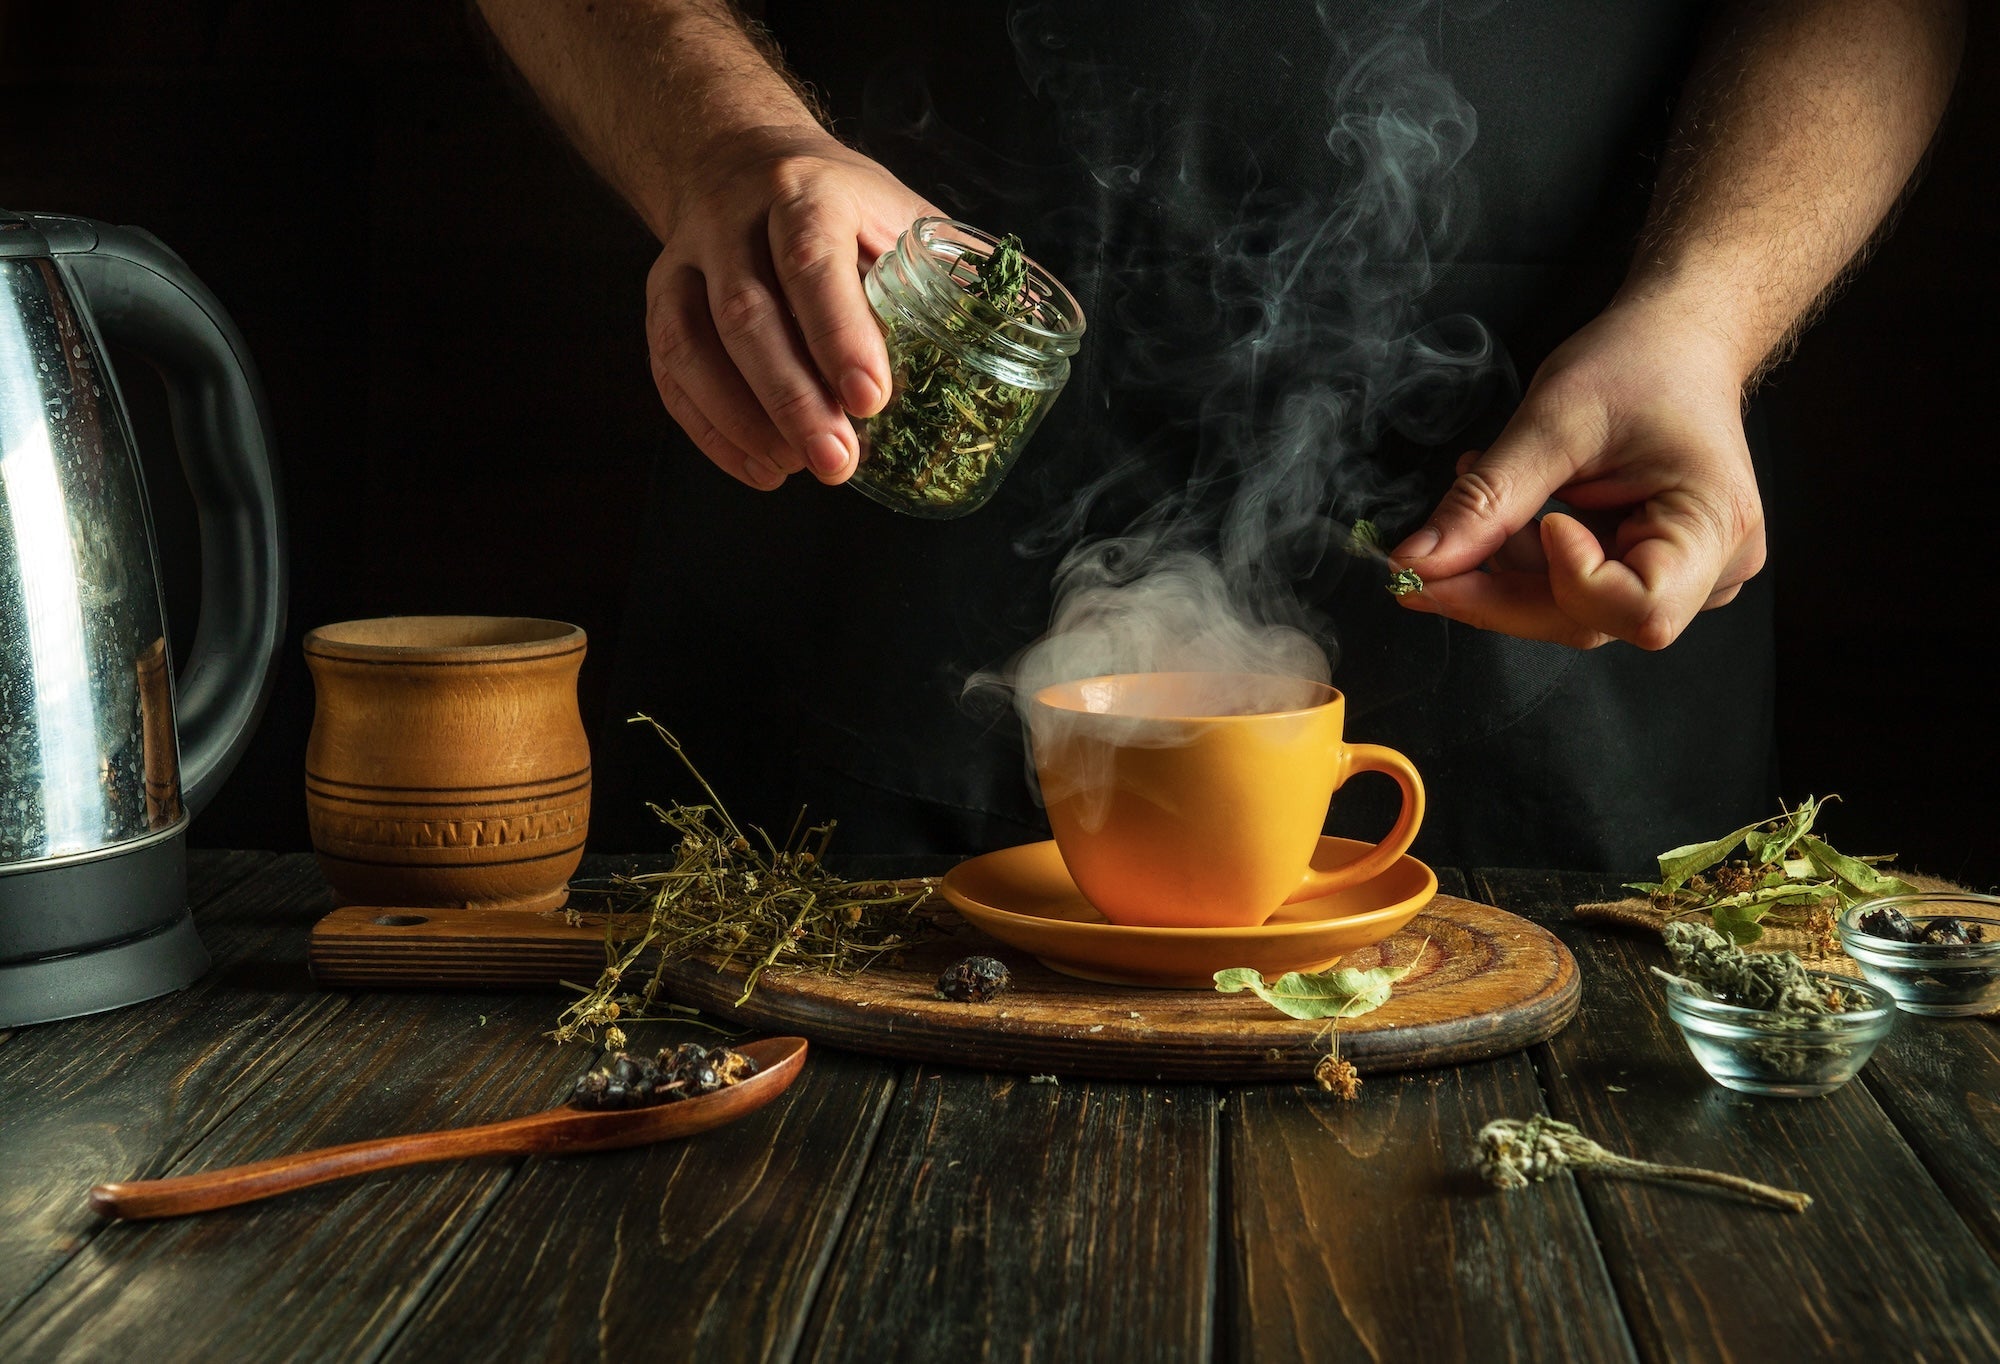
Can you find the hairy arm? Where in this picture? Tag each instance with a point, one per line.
(1796, 137)
(762, 341)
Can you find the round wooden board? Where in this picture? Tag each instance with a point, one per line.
(1487, 983)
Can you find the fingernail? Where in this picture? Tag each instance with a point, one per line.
(859, 392)
(826, 455)
(1417, 546)
(763, 473)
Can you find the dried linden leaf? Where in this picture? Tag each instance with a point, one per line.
(1677, 865)
(1344, 992)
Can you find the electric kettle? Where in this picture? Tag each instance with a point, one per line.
(104, 753)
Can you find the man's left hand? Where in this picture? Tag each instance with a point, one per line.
(1636, 424)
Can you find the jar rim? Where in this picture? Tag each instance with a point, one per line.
(934, 238)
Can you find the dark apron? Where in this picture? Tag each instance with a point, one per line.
(812, 648)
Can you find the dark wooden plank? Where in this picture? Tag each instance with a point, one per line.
(1356, 1231)
(124, 1093)
(329, 1272)
(1939, 1081)
(1005, 1219)
(211, 872)
(708, 1249)
(1881, 1267)
(1335, 1210)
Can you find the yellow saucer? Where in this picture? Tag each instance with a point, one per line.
(1024, 897)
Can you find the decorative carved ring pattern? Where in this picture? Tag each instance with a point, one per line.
(498, 831)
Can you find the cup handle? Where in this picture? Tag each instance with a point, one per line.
(1371, 758)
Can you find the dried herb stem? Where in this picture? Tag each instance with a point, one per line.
(1515, 1152)
(728, 899)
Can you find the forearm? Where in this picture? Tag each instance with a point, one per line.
(1796, 137)
(646, 89)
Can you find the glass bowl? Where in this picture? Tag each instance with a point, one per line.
(1791, 1055)
(1939, 980)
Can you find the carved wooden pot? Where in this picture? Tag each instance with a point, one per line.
(447, 764)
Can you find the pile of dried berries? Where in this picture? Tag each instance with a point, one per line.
(1886, 921)
(974, 980)
(683, 1072)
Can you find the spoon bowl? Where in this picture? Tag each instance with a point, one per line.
(566, 1130)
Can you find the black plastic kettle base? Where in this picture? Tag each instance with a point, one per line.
(143, 892)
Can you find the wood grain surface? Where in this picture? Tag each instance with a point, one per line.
(685, 1251)
(348, 1261)
(128, 1092)
(1882, 1266)
(882, 1210)
(1330, 1203)
(1007, 1219)
(1485, 982)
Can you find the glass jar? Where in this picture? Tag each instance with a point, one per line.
(970, 382)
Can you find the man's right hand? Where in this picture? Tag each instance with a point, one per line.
(762, 339)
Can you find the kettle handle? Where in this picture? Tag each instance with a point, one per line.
(142, 295)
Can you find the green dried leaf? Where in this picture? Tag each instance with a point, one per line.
(1739, 923)
(1645, 887)
(1366, 537)
(1678, 864)
(1345, 992)
(1852, 871)
(1771, 845)
(1764, 897)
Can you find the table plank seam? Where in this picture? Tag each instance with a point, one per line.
(905, 1078)
(1900, 1123)
(1542, 1058)
(441, 1263)
(788, 1347)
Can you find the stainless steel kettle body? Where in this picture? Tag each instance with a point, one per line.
(104, 753)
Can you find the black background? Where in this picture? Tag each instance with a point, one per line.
(447, 313)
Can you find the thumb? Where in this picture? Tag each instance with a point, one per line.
(1497, 495)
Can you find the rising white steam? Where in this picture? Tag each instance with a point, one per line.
(1292, 311)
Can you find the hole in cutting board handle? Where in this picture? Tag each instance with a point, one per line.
(400, 920)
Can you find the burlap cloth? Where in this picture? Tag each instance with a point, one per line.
(1639, 915)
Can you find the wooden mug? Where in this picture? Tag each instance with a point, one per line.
(447, 764)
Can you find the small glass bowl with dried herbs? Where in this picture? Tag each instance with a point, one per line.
(1782, 1053)
(979, 341)
(1938, 953)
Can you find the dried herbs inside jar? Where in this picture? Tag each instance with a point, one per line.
(948, 422)
(952, 426)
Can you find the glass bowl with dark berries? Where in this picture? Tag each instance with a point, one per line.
(1938, 953)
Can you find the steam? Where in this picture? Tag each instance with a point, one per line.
(1290, 311)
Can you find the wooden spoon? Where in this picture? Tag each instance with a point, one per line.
(555, 1132)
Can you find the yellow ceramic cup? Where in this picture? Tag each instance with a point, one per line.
(1196, 800)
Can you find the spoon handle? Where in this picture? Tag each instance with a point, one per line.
(144, 1198)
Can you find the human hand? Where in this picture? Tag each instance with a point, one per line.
(762, 339)
(1636, 423)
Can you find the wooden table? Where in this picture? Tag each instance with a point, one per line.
(893, 1211)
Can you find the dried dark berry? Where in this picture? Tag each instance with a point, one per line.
(681, 1072)
(1951, 931)
(974, 981)
(1886, 921)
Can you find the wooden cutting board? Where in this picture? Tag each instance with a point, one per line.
(1488, 982)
